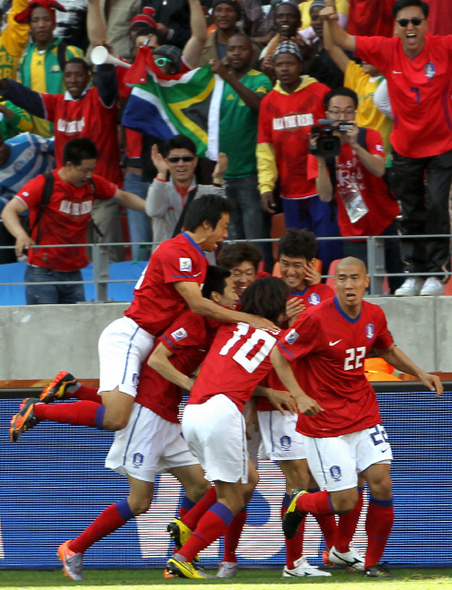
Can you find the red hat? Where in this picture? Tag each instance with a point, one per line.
(50, 5)
(144, 19)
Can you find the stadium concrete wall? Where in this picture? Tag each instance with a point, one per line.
(39, 341)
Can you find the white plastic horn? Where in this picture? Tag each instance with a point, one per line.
(100, 56)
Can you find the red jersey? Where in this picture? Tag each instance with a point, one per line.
(236, 363)
(374, 190)
(86, 117)
(310, 296)
(285, 121)
(419, 90)
(327, 349)
(65, 219)
(188, 338)
(156, 303)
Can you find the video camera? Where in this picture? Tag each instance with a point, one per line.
(327, 144)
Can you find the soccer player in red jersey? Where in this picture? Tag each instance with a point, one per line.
(338, 409)
(417, 68)
(213, 424)
(63, 220)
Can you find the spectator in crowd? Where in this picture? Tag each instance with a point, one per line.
(13, 39)
(42, 64)
(364, 79)
(421, 136)
(243, 91)
(117, 16)
(13, 120)
(59, 208)
(226, 14)
(323, 67)
(307, 25)
(355, 177)
(286, 116)
(21, 159)
(71, 25)
(167, 198)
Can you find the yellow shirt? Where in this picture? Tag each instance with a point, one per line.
(341, 7)
(13, 40)
(367, 114)
(38, 84)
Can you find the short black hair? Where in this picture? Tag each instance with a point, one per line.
(234, 254)
(215, 280)
(298, 243)
(400, 4)
(293, 5)
(179, 142)
(78, 60)
(79, 149)
(340, 91)
(241, 34)
(208, 208)
(266, 297)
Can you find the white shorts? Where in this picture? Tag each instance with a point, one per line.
(280, 440)
(123, 348)
(215, 434)
(148, 445)
(335, 462)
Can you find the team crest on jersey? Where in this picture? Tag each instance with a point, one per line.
(286, 442)
(370, 331)
(314, 299)
(137, 460)
(135, 379)
(336, 473)
(430, 70)
(179, 334)
(291, 336)
(185, 264)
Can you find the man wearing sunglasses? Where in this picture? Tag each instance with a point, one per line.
(417, 67)
(175, 185)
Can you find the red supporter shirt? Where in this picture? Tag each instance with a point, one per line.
(64, 221)
(156, 303)
(86, 117)
(349, 168)
(236, 363)
(310, 296)
(285, 121)
(419, 90)
(189, 339)
(327, 349)
(364, 19)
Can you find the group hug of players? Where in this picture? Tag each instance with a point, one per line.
(290, 351)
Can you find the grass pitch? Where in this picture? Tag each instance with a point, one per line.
(247, 579)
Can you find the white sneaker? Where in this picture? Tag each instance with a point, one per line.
(228, 569)
(410, 287)
(352, 560)
(303, 568)
(433, 286)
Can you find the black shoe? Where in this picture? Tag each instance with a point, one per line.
(377, 571)
(293, 517)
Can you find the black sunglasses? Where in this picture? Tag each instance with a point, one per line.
(416, 21)
(175, 159)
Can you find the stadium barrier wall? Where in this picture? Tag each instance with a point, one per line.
(53, 484)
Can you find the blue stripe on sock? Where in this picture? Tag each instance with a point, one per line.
(381, 503)
(223, 512)
(99, 418)
(286, 500)
(124, 509)
(187, 504)
(313, 490)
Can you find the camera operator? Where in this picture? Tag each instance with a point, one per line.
(349, 163)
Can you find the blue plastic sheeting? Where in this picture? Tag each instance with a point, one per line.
(130, 271)
(53, 484)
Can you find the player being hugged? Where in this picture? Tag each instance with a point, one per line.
(213, 424)
(340, 418)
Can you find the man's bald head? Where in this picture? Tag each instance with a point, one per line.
(350, 261)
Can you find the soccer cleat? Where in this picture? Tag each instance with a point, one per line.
(24, 419)
(179, 532)
(411, 286)
(56, 389)
(303, 569)
(433, 286)
(377, 571)
(293, 517)
(352, 561)
(183, 569)
(227, 569)
(326, 557)
(72, 562)
(167, 575)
